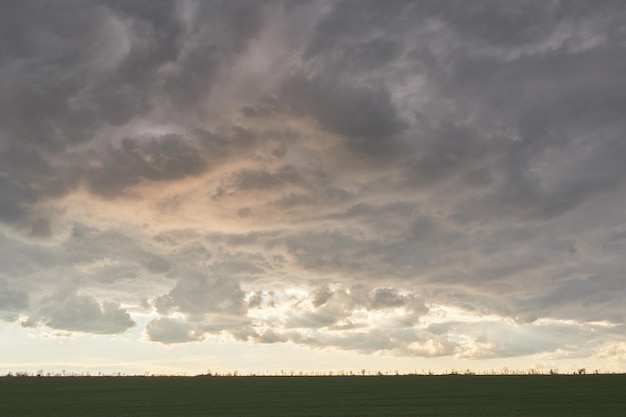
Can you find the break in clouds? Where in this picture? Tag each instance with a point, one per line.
(418, 178)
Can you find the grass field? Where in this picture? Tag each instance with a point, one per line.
(539, 395)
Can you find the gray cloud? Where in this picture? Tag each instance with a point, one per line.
(27, 179)
(198, 295)
(165, 330)
(363, 342)
(272, 337)
(12, 299)
(258, 179)
(363, 114)
(81, 313)
(323, 174)
(387, 297)
(333, 308)
(158, 159)
(75, 71)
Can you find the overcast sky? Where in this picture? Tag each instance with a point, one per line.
(312, 185)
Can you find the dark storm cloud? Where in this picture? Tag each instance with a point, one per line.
(158, 159)
(543, 93)
(74, 70)
(525, 23)
(381, 157)
(182, 47)
(26, 178)
(448, 150)
(45, 54)
(559, 90)
(553, 98)
(364, 114)
(365, 30)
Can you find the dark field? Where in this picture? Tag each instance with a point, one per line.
(556, 395)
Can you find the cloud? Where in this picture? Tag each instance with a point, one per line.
(66, 101)
(167, 331)
(258, 179)
(197, 295)
(339, 309)
(27, 178)
(199, 304)
(387, 297)
(614, 351)
(11, 301)
(81, 313)
(323, 174)
(168, 157)
(431, 346)
(270, 337)
(364, 114)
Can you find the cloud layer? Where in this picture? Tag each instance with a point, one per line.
(415, 178)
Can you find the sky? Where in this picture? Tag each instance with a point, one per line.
(312, 185)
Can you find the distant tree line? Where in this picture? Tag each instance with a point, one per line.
(291, 373)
